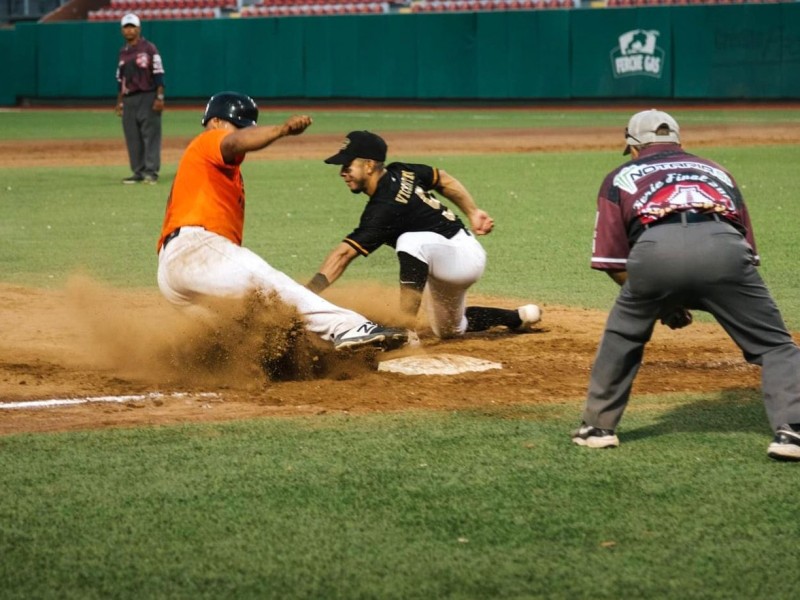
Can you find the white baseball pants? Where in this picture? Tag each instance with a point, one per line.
(200, 264)
(454, 265)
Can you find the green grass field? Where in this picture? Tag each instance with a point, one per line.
(99, 122)
(465, 504)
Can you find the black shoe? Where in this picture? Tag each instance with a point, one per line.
(786, 444)
(592, 437)
(133, 179)
(370, 334)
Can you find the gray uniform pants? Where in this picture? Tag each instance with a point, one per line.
(142, 127)
(706, 266)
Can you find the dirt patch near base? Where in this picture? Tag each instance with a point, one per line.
(101, 342)
(21, 153)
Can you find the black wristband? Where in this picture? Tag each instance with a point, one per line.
(318, 283)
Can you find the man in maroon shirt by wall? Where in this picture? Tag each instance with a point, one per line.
(673, 230)
(140, 101)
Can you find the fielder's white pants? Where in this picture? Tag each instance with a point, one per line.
(453, 266)
(198, 264)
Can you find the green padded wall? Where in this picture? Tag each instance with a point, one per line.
(749, 51)
(714, 52)
(389, 57)
(8, 69)
(790, 51)
(622, 53)
(76, 60)
(523, 55)
(24, 69)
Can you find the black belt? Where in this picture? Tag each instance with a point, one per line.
(137, 92)
(685, 217)
(169, 237)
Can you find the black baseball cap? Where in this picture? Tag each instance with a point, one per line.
(359, 144)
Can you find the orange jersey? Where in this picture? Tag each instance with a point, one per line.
(206, 192)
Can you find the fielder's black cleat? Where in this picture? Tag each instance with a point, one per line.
(786, 444)
(592, 437)
(371, 334)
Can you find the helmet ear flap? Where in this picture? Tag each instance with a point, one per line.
(236, 108)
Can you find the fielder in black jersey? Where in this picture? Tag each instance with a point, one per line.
(439, 257)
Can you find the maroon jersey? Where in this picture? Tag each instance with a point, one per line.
(662, 182)
(403, 202)
(139, 68)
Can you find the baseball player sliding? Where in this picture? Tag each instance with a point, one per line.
(200, 254)
(437, 254)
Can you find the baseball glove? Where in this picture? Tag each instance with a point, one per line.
(677, 319)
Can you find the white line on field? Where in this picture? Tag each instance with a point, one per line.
(73, 401)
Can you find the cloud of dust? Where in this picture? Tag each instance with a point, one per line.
(234, 344)
(377, 302)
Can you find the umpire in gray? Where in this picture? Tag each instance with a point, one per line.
(673, 231)
(140, 101)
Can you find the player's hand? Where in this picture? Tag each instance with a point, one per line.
(296, 124)
(158, 105)
(677, 319)
(480, 222)
(118, 109)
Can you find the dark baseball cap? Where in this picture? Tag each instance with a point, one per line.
(359, 144)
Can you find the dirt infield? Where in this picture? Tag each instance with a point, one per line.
(106, 342)
(87, 340)
(476, 141)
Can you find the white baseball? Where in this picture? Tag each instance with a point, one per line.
(530, 314)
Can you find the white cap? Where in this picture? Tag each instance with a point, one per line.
(643, 126)
(130, 19)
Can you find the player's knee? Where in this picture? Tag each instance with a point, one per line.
(413, 272)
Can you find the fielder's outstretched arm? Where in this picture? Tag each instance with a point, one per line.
(452, 189)
(332, 267)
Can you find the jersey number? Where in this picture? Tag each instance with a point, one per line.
(432, 201)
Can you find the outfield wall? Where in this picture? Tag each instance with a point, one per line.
(693, 52)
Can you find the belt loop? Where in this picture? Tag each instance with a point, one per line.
(684, 218)
(715, 216)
